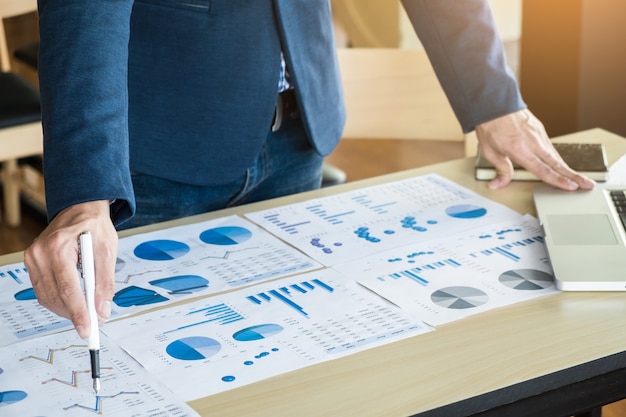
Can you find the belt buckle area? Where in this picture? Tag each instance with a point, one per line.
(278, 114)
(286, 106)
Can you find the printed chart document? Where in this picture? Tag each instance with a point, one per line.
(199, 259)
(469, 273)
(230, 340)
(50, 376)
(360, 223)
(400, 257)
(160, 267)
(22, 316)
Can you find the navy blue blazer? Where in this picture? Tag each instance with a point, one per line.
(186, 89)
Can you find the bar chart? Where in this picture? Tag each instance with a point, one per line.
(236, 338)
(355, 224)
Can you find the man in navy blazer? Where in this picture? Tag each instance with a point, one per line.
(156, 109)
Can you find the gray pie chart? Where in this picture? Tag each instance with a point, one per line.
(459, 298)
(526, 279)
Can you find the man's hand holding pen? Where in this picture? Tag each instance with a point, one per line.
(52, 260)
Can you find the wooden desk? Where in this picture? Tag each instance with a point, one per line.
(554, 356)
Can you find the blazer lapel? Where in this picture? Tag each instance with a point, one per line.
(309, 48)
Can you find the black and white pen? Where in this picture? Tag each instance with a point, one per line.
(88, 273)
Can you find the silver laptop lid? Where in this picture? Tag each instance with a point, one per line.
(585, 238)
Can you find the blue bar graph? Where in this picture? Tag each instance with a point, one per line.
(415, 274)
(335, 218)
(15, 274)
(365, 201)
(286, 294)
(219, 314)
(507, 250)
(291, 228)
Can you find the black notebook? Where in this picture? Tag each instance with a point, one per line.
(588, 159)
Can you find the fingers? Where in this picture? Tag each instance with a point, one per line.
(105, 250)
(521, 137)
(504, 172)
(52, 263)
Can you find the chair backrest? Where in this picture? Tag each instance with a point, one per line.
(10, 8)
(394, 94)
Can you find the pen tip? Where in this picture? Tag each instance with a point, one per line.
(96, 385)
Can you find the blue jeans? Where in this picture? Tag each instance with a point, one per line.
(287, 164)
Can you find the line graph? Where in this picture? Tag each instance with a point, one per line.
(97, 407)
(228, 253)
(73, 380)
(50, 376)
(49, 358)
(138, 274)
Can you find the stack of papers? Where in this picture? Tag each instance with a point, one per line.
(278, 290)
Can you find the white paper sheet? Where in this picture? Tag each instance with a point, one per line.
(617, 171)
(359, 223)
(469, 273)
(160, 267)
(230, 340)
(50, 376)
(432, 250)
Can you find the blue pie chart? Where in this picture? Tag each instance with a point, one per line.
(137, 296)
(11, 397)
(466, 211)
(193, 348)
(182, 284)
(161, 250)
(262, 331)
(27, 294)
(227, 235)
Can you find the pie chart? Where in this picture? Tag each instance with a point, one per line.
(182, 284)
(137, 296)
(526, 279)
(466, 211)
(161, 250)
(224, 236)
(459, 298)
(119, 264)
(27, 294)
(193, 348)
(262, 331)
(11, 397)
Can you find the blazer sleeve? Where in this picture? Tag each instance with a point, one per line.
(83, 67)
(466, 51)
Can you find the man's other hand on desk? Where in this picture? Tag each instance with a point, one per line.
(52, 258)
(521, 137)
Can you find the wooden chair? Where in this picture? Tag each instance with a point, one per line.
(20, 121)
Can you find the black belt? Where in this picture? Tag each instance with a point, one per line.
(286, 105)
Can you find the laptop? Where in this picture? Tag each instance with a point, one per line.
(585, 235)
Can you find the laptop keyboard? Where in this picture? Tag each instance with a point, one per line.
(619, 201)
